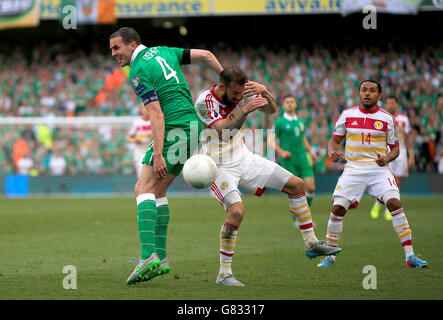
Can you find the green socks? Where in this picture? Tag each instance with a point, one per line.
(146, 220)
(161, 228)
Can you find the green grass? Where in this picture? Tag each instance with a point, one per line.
(39, 236)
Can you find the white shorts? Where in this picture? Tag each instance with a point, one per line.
(255, 174)
(351, 186)
(399, 166)
(139, 154)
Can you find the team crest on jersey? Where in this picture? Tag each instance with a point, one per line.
(338, 187)
(378, 125)
(136, 81)
(212, 114)
(224, 185)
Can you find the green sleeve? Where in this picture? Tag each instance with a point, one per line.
(179, 53)
(141, 83)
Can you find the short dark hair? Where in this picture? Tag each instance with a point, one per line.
(286, 96)
(128, 35)
(233, 74)
(392, 97)
(372, 81)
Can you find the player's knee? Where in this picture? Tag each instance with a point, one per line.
(294, 186)
(393, 204)
(143, 186)
(138, 188)
(392, 200)
(235, 213)
(338, 210)
(340, 206)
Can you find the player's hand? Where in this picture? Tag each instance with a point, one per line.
(285, 154)
(254, 104)
(335, 156)
(381, 160)
(253, 88)
(160, 169)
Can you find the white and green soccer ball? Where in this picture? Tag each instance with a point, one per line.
(199, 171)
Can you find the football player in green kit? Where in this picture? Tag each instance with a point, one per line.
(156, 77)
(293, 147)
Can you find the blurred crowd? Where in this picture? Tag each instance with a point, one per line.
(52, 82)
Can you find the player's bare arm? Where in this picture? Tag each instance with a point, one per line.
(158, 134)
(253, 88)
(334, 148)
(224, 127)
(206, 57)
(276, 146)
(392, 155)
(308, 149)
(282, 153)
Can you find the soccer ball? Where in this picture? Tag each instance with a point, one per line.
(199, 171)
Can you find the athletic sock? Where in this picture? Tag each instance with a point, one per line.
(228, 237)
(301, 211)
(146, 220)
(401, 227)
(161, 227)
(335, 228)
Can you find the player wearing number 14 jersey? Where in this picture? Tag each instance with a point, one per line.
(405, 160)
(368, 130)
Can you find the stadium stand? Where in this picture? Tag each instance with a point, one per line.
(55, 79)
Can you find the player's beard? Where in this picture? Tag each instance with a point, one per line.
(227, 102)
(369, 104)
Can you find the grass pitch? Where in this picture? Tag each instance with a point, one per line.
(39, 236)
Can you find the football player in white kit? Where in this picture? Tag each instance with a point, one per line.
(139, 134)
(368, 130)
(400, 166)
(223, 110)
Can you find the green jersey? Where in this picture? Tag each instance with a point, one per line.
(290, 130)
(156, 74)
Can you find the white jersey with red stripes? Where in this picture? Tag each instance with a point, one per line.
(403, 129)
(368, 134)
(399, 166)
(210, 110)
(141, 129)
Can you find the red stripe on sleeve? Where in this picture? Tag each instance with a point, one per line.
(214, 122)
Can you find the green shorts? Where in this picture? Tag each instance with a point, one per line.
(301, 168)
(181, 140)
